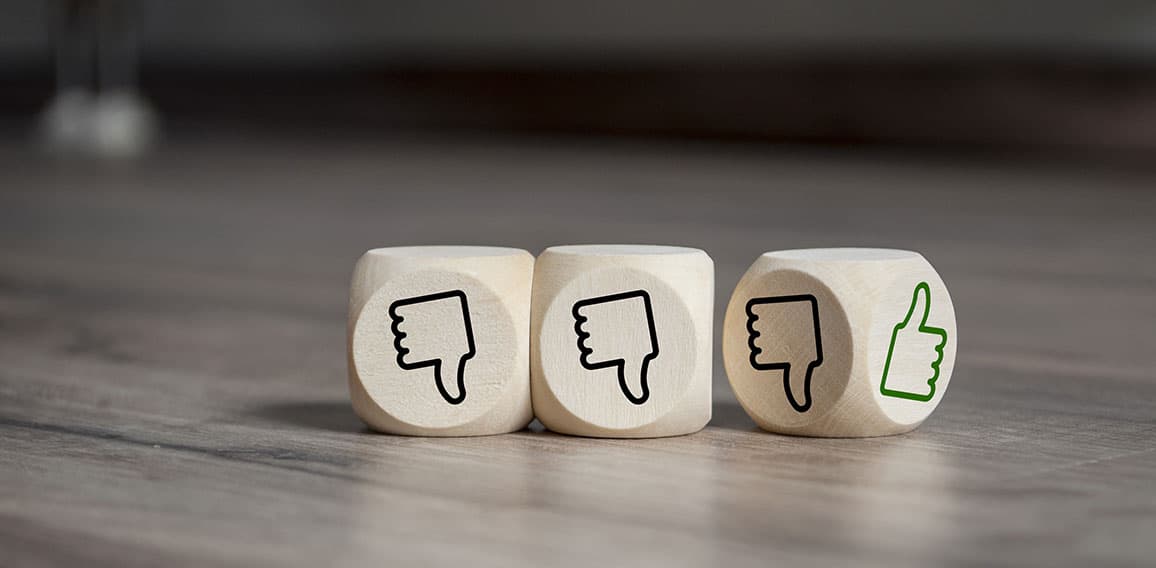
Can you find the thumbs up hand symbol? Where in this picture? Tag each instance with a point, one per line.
(915, 353)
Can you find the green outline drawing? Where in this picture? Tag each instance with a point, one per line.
(923, 328)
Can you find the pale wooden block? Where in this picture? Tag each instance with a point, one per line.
(621, 340)
(439, 340)
(840, 342)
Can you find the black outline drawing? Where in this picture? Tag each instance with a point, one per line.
(585, 352)
(786, 367)
(398, 335)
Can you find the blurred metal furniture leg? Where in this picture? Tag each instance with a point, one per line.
(123, 122)
(97, 107)
(64, 123)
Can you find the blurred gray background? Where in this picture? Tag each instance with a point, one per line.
(1063, 75)
(334, 32)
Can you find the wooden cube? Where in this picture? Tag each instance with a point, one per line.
(621, 340)
(439, 340)
(840, 342)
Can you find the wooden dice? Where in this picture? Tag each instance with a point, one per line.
(621, 340)
(439, 340)
(840, 342)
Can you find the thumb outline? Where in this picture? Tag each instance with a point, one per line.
(461, 379)
(642, 379)
(915, 297)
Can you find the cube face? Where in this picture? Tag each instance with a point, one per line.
(621, 341)
(438, 340)
(787, 348)
(912, 345)
(879, 342)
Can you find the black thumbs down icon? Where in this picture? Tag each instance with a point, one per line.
(434, 331)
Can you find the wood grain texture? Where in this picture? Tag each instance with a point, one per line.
(840, 342)
(172, 368)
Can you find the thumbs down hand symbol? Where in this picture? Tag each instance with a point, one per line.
(618, 331)
(435, 331)
(795, 353)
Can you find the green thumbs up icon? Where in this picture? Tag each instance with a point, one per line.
(915, 353)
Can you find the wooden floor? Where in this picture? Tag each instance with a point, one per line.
(172, 371)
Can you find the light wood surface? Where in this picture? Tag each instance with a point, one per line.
(621, 340)
(439, 340)
(840, 342)
(173, 381)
